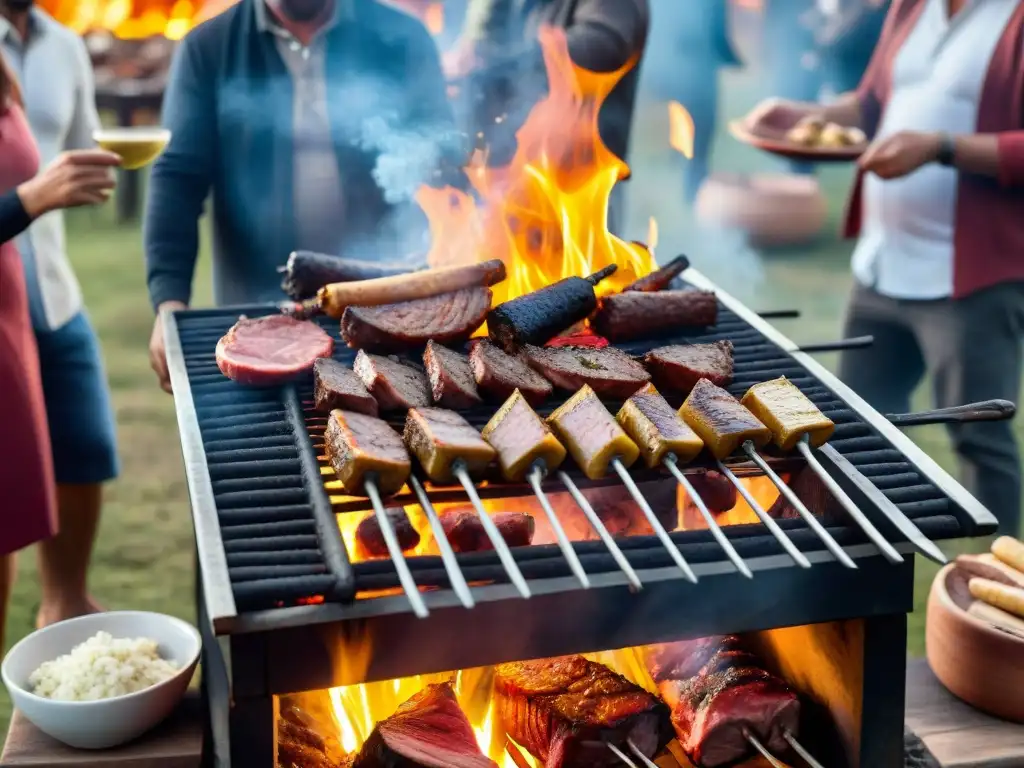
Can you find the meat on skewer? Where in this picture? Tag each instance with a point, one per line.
(362, 448)
(335, 385)
(439, 438)
(396, 385)
(662, 278)
(451, 378)
(591, 434)
(634, 315)
(721, 421)
(679, 367)
(465, 532)
(656, 428)
(521, 439)
(499, 375)
(788, 413)
(610, 372)
(370, 537)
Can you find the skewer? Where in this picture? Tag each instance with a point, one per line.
(395, 550)
(535, 476)
(640, 755)
(451, 565)
(672, 462)
(621, 755)
(504, 553)
(887, 549)
(801, 509)
(767, 520)
(659, 529)
(762, 749)
(595, 521)
(800, 750)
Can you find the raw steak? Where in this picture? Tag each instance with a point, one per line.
(267, 351)
(466, 533)
(499, 374)
(451, 378)
(335, 385)
(636, 315)
(610, 372)
(395, 384)
(680, 366)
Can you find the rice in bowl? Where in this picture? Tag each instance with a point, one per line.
(101, 668)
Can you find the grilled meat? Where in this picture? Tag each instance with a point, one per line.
(370, 538)
(268, 351)
(662, 278)
(451, 378)
(521, 439)
(657, 429)
(448, 318)
(430, 730)
(298, 745)
(465, 532)
(591, 434)
(396, 385)
(636, 315)
(715, 490)
(499, 375)
(335, 385)
(564, 711)
(716, 690)
(609, 371)
(679, 367)
(720, 421)
(439, 438)
(808, 487)
(788, 413)
(361, 447)
(307, 272)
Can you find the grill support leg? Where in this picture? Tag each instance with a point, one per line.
(885, 680)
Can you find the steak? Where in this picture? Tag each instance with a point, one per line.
(271, 350)
(636, 315)
(370, 538)
(395, 384)
(429, 730)
(335, 385)
(680, 366)
(610, 372)
(564, 711)
(451, 378)
(360, 448)
(448, 318)
(499, 374)
(465, 532)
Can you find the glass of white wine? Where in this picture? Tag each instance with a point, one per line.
(138, 146)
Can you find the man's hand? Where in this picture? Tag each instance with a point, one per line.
(157, 349)
(901, 154)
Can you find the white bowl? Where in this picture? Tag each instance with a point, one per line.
(109, 722)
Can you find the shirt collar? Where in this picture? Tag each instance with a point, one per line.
(36, 27)
(265, 21)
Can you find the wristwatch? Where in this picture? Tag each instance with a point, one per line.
(947, 151)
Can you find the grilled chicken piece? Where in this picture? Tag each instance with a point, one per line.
(371, 539)
(499, 375)
(591, 434)
(361, 447)
(679, 367)
(438, 438)
(465, 532)
(608, 371)
(788, 413)
(721, 421)
(451, 378)
(656, 428)
(335, 385)
(395, 385)
(521, 439)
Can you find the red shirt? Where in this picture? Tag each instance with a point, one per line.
(988, 241)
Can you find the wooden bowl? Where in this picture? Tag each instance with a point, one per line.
(977, 662)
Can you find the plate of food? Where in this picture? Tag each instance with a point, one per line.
(812, 138)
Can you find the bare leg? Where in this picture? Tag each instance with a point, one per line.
(7, 570)
(64, 559)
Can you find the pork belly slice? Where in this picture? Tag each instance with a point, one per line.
(657, 429)
(429, 730)
(465, 532)
(521, 439)
(564, 711)
(361, 447)
(439, 438)
(371, 539)
(608, 371)
(451, 379)
(395, 384)
(678, 367)
(335, 385)
(721, 421)
(499, 375)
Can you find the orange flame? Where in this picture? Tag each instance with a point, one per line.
(652, 234)
(135, 19)
(680, 129)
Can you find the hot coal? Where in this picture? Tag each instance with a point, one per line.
(371, 539)
(271, 350)
(715, 490)
(610, 372)
(335, 385)
(679, 367)
(395, 384)
(451, 378)
(499, 374)
(466, 533)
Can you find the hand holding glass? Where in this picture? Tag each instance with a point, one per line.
(137, 146)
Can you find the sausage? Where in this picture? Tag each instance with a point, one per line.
(636, 315)
(306, 272)
(660, 279)
(466, 533)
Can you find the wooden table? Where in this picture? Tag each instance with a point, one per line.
(958, 735)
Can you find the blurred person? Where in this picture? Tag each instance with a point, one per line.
(27, 485)
(55, 73)
(310, 123)
(845, 55)
(939, 281)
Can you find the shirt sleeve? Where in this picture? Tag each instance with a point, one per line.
(14, 219)
(85, 119)
(1011, 158)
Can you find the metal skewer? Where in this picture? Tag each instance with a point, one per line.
(659, 529)
(640, 755)
(504, 553)
(800, 750)
(395, 550)
(451, 565)
(621, 755)
(801, 509)
(595, 521)
(762, 749)
(672, 462)
(535, 476)
(887, 549)
(767, 520)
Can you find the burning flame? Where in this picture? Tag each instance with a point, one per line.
(546, 213)
(652, 234)
(135, 19)
(680, 129)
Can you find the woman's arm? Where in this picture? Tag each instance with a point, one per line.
(14, 219)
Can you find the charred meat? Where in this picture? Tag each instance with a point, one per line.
(679, 367)
(447, 319)
(521, 439)
(362, 447)
(662, 278)
(307, 272)
(721, 421)
(591, 434)
(635, 315)
(396, 385)
(657, 429)
(370, 538)
(564, 711)
(788, 413)
(715, 490)
(268, 351)
(451, 378)
(499, 375)
(335, 385)
(439, 438)
(609, 371)
(465, 532)
(301, 745)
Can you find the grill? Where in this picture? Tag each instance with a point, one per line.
(279, 588)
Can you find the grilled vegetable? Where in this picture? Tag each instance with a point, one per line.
(721, 421)
(788, 413)
(997, 617)
(662, 278)
(521, 439)
(991, 567)
(656, 429)
(336, 297)
(1009, 599)
(360, 447)
(591, 434)
(306, 272)
(538, 317)
(1010, 551)
(439, 438)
